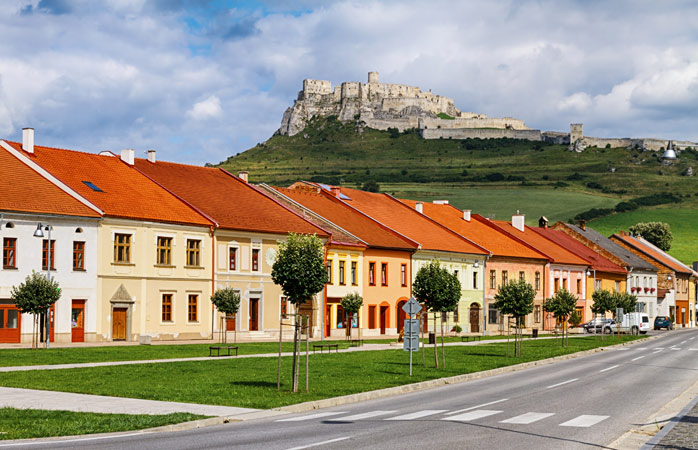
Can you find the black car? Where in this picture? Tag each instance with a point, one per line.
(663, 322)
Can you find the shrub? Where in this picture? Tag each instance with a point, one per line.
(626, 206)
(494, 176)
(594, 185)
(370, 186)
(575, 177)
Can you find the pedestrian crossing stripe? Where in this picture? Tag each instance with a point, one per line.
(584, 421)
(472, 415)
(312, 416)
(366, 415)
(525, 419)
(418, 414)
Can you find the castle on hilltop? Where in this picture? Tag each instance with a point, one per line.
(382, 105)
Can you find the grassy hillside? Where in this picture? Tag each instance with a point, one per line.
(492, 177)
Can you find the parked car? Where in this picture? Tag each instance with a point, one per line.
(663, 322)
(631, 323)
(596, 325)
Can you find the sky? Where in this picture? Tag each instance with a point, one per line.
(199, 81)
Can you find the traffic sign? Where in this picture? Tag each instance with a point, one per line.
(411, 343)
(411, 327)
(412, 307)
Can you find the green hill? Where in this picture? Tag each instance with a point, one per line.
(493, 177)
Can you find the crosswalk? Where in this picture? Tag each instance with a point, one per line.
(466, 415)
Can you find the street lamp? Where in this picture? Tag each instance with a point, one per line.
(39, 232)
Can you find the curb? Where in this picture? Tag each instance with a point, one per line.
(669, 426)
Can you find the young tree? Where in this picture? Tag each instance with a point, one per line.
(515, 299)
(561, 306)
(626, 301)
(603, 302)
(439, 290)
(226, 301)
(352, 303)
(300, 271)
(658, 233)
(35, 296)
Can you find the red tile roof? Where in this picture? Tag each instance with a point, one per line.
(558, 254)
(478, 229)
(231, 202)
(652, 253)
(25, 190)
(355, 222)
(405, 220)
(126, 193)
(596, 261)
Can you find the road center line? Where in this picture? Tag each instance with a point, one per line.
(564, 382)
(683, 342)
(317, 444)
(476, 407)
(639, 357)
(656, 351)
(608, 368)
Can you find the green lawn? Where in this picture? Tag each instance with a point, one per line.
(37, 423)
(683, 222)
(251, 382)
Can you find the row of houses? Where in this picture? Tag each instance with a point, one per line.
(138, 246)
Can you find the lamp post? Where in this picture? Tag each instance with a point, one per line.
(39, 232)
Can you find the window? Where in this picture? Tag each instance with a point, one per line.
(617, 286)
(167, 307)
(9, 253)
(284, 307)
(45, 256)
(455, 315)
(536, 313)
(328, 264)
(492, 314)
(92, 186)
(597, 285)
(193, 252)
(122, 248)
(475, 280)
(455, 274)
(579, 286)
(233, 258)
(341, 273)
(403, 275)
(505, 277)
(384, 274)
(522, 276)
(537, 281)
(372, 274)
(354, 279)
(564, 284)
(557, 284)
(341, 317)
(493, 279)
(255, 260)
(78, 255)
(164, 257)
(372, 317)
(192, 308)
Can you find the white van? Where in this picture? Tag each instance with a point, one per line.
(631, 323)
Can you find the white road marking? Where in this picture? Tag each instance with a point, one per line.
(623, 349)
(365, 415)
(659, 348)
(527, 418)
(476, 407)
(655, 352)
(639, 357)
(418, 414)
(694, 349)
(692, 338)
(311, 416)
(54, 442)
(674, 348)
(639, 348)
(320, 443)
(564, 382)
(472, 415)
(608, 368)
(683, 342)
(584, 421)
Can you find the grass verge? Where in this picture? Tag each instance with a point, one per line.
(38, 423)
(251, 382)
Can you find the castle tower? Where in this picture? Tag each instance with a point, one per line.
(576, 132)
(373, 77)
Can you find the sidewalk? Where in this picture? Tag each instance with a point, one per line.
(679, 434)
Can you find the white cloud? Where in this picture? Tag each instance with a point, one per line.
(206, 109)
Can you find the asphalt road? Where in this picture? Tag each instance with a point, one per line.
(576, 404)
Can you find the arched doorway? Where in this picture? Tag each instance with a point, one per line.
(474, 318)
(401, 316)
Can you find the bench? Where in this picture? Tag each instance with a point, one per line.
(356, 343)
(218, 349)
(469, 338)
(329, 347)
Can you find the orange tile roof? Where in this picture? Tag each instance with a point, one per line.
(478, 229)
(558, 254)
(25, 190)
(396, 215)
(355, 222)
(652, 253)
(228, 200)
(596, 261)
(126, 193)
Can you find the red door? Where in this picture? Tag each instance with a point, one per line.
(383, 318)
(52, 320)
(119, 324)
(10, 323)
(401, 316)
(230, 322)
(328, 319)
(77, 321)
(254, 314)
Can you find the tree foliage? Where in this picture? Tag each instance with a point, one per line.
(352, 303)
(36, 294)
(300, 268)
(626, 301)
(437, 288)
(515, 298)
(561, 304)
(226, 300)
(603, 302)
(657, 233)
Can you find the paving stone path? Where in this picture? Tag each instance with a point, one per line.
(683, 435)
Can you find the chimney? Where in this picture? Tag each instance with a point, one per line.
(419, 207)
(151, 156)
(243, 176)
(517, 221)
(583, 224)
(466, 215)
(28, 140)
(335, 191)
(128, 156)
(543, 222)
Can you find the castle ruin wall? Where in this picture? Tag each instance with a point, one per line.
(481, 133)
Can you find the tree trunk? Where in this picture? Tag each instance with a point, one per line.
(294, 370)
(443, 352)
(436, 353)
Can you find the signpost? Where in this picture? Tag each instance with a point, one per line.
(411, 339)
(619, 319)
